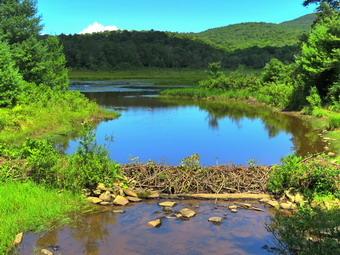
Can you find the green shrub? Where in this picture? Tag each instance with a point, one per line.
(318, 176)
(89, 165)
(308, 231)
(276, 93)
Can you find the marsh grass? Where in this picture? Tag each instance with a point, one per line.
(26, 206)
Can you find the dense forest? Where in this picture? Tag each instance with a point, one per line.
(248, 44)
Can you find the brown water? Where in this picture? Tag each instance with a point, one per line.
(107, 233)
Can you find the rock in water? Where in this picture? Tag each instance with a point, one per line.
(18, 239)
(154, 223)
(167, 204)
(215, 219)
(187, 213)
(118, 211)
(133, 199)
(119, 200)
(46, 252)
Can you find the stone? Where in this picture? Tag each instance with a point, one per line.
(46, 252)
(18, 239)
(119, 200)
(106, 196)
(178, 215)
(167, 209)
(118, 211)
(167, 204)
(264, 200)
(327, 138)
(105, 203)
(274, 203)
(94, 200)
(187, 213)
(97, 192)
(326, 148)
(298, 198)
(129, 193)
(290, 196)
(154, 194)
(233, 210)
(232, 207)
(154, 223)
(215, 219)
(133, 199)
(331, 154)
(288, 206)
(101, 186)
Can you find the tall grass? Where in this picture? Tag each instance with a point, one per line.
(26, 206)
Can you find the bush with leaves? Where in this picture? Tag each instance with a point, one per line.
(317, 176)
(90, 164)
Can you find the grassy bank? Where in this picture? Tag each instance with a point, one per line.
(44, 115)
(160, 76)
(26, 206)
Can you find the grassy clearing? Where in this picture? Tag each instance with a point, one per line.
(25, 206)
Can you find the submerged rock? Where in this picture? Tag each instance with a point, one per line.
(118, 211)
(167, 204)
(187, 213)
(119, 200)
(94, 200)
(154, 223)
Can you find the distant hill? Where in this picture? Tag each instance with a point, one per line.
(249, 44)
(260, 34)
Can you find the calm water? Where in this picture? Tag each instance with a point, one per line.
(105, 233)
(163, 130)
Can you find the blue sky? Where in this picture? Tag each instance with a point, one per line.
(73, 16)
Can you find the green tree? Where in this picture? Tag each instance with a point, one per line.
(320, 55)
(11, 82)
(18, 20)
(334, 4)
(39, 61)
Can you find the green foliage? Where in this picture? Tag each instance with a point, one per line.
(314, 99)
(333, 122)
(91, 164)
(320, 55)
(11, 83)
(26, 206)
(39, 61)
(276, 93)
(273, 71)
(318, 176)
(308, 231)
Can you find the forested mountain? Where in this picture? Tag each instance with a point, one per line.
(249, 44)
(246, 35)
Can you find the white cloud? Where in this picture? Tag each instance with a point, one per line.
(97, 27)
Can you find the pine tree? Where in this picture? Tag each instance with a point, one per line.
(11, 82)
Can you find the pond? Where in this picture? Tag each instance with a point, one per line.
(168, 130)
(104, 232)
